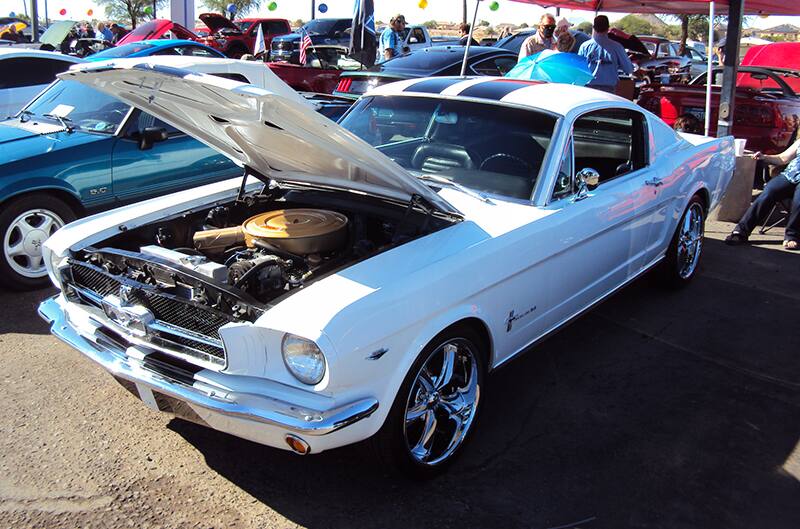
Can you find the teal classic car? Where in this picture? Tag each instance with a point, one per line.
(73, 151)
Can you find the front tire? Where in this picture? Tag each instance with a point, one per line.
(437, 406)
(683, 255)
(25, 224)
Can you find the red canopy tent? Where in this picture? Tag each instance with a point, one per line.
(735, 9)
(691, 7)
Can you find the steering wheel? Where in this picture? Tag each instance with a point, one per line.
(526, 168)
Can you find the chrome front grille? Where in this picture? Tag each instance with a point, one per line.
(178, 327)
(283, 45)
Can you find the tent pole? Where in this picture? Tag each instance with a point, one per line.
(469, 39)
(728, 93)
(709, 53)
(34, 21)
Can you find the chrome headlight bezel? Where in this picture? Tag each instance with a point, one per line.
(303, 359)
(52, 262)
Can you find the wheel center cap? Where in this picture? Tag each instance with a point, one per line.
(33, 242)
(433, 399)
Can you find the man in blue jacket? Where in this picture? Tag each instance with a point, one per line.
(605, 57)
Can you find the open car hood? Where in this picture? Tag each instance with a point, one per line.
(155, 29)
(57, 32)
(267, 130)
(217, 22)
(629, 42)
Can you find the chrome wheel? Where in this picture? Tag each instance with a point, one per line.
(690, 240)
(442, 402)
(22, 241)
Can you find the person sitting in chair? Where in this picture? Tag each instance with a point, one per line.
(784, 186)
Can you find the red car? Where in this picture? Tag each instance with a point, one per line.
(320, 73)
(766, 111)
(156, 29)
(234, 39)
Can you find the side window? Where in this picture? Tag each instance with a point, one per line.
(233, 77)
(170, 51)
(564, 181)
(611, 141)
(275, 27)
(663, 49)
(417, 34)
(145, 120)
(197, 51)
(496, 66)
(30, 71)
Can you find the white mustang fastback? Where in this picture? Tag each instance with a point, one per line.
(361, 279)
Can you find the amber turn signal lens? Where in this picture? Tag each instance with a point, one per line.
(297, 445)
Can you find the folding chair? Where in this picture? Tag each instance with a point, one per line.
(782, 209)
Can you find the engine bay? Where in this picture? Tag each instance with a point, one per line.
(239, 257)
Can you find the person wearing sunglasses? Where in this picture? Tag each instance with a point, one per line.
(541, 40)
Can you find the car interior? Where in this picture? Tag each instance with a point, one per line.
(612, 142)
(484, 147)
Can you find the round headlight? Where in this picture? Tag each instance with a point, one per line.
(303, 359)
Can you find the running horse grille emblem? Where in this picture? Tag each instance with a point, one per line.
(133, 318)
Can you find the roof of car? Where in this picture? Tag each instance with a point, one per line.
(428, 61)
(169, 42)
(7, 53)
(556, 98)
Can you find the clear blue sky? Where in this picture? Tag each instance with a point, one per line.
(442, 10)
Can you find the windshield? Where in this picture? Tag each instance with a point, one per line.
(488, 148)
(320, 26)
(122, 51)
(244, 25)
(80, 106)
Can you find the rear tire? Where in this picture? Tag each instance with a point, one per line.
(25, 223)
(437, 406)
(684, 252)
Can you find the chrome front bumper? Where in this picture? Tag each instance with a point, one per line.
(268, 411)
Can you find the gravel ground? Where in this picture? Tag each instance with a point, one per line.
(657, 409)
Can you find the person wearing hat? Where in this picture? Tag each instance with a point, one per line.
(578, 37)
(606, 57)
(392, 38)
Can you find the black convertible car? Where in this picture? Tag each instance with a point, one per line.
(427, 62)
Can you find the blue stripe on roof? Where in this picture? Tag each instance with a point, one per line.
(433, 86)
(495, 89)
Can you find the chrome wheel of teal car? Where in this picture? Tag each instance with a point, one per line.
(23, 240)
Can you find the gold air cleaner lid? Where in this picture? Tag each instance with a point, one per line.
(301, 231)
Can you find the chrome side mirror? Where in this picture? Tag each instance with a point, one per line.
(585, 178)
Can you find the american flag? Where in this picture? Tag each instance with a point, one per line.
(305, 43)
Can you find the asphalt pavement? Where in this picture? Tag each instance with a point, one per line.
(657, 409)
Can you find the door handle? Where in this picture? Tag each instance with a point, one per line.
(655, 182)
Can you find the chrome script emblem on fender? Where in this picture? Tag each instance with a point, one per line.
(133, 318)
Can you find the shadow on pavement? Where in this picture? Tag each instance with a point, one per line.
(18, 311)
(656, 409)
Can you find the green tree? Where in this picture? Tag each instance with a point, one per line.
(130, 11)
(524, 25)
(484, 23)
(242, 6)
(298, 23)
(634, 25)
(430, 24)
(586, 27)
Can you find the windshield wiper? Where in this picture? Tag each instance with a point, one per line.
(24, 114)
(455, 185)
(64, 121)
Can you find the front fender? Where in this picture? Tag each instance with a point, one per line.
(19, 187)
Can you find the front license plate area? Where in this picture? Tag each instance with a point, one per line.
(160, 402)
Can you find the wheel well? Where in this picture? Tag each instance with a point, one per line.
(480, 327)
(65, 196)
(703, 194)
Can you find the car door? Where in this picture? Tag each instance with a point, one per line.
(177, 163)
(597, 238)
(22, 78)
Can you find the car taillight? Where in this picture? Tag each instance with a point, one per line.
(755, 115)
(344, 85)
